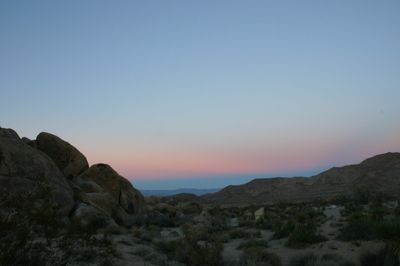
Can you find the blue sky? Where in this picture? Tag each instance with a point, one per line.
(205, 93)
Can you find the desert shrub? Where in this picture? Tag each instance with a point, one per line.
(148, 233)
(21, 222)
(396, 211)
(368, 196)
(283, 230)
(363, 196)
(309, 259)
(304, 235)
(259, 256)
(190, 251)
(22, 246)
(358, 229)
(148, 255)
(16, 247)
(246, 223)
(334, 259)
(38, 239)
(204, 231)
(217, 224)
(190, 208)
(255, 234)
(97, 248)
(365, 228)
(388, 229)
(270, 219)
(200, 233)
(378, 213)
(240, 233)
(32, 232)
(254, 243)
(159, 219)
(372, 259)
(265, 223)
(167, 247)
(382, 257)
(221, 237)
(293, 216)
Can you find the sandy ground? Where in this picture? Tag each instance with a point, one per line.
(127, 250)
(329, 228)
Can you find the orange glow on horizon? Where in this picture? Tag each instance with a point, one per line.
(166, 162)
(162, 166)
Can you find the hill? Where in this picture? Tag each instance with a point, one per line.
(171, 192)
(379, 174)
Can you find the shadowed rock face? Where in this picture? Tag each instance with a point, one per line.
(28, 174)
(90, 218)
(380, 173)
(70, 161)
(8, 133)
(50, 172)
(130, 199)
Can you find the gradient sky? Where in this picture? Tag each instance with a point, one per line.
(205, 93)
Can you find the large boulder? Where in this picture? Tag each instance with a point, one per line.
(87, 186)
(130, 199)
(8, 133)
(69, 159)
(90, 218)
(28, 176)
(103, 201)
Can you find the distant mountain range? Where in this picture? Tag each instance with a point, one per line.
(166, 192)
(380, 173)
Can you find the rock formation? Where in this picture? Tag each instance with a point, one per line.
(103, 188)
(8, 133)
(29, 175)
(51, 172)
(130, 199)
(70, 161)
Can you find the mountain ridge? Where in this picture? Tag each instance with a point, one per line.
(380, 173)
(171, 192)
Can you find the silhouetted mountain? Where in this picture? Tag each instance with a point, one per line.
(380, 174)
(166, 192)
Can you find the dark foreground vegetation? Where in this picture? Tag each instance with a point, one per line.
(368, 224)
(38, 236)
(211, 235)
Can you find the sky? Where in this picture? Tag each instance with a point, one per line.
(204, 94)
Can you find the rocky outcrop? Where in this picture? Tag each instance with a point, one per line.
(91, 218)
(71, 161)
(50, 172)
(130, 199)
(102, 187)
(8, 133)
(29, 175)
(379, 174)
